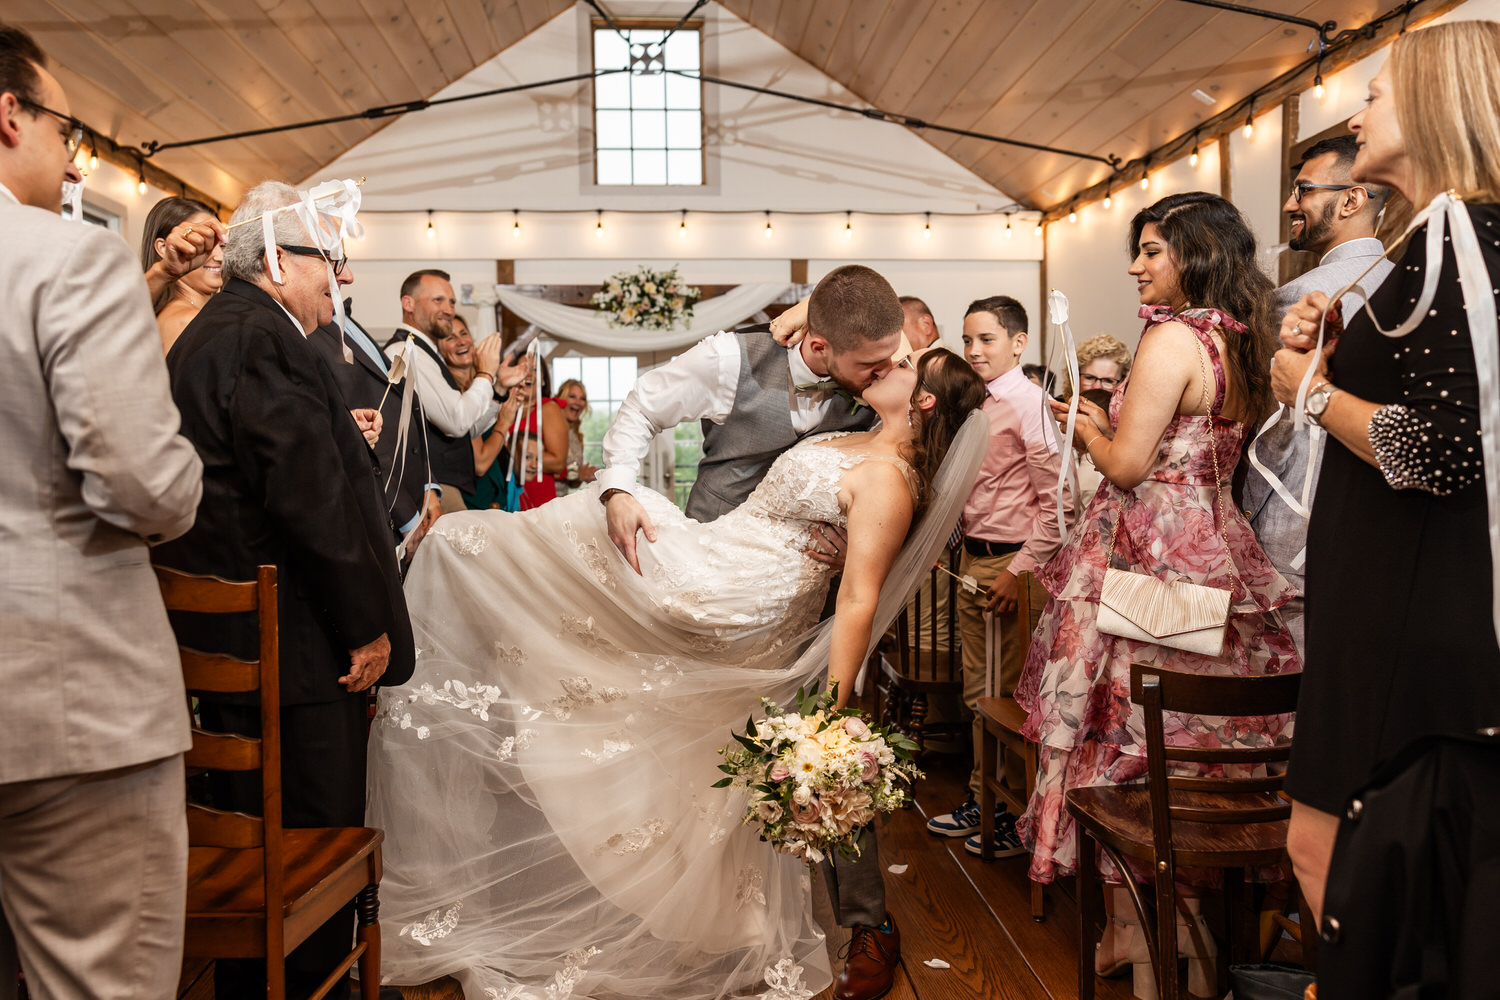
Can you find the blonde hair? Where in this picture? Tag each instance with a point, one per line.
(1102, 346)
(575, 429)
(1444, 81)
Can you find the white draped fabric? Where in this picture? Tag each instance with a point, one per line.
(591, 327)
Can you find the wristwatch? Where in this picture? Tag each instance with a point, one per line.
(1317, 402)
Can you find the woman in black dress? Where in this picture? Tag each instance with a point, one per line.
(1401, 640)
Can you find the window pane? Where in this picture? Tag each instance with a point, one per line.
(566, 368)
(683, 92)
(649, 129)
(682, 50)
(613, 166)
(683, 131)
(614, 129)
(684, 167)
(612, 91)
(596, 376)
(610, 51)
(648, 92)
(650, 166)
(621, 376)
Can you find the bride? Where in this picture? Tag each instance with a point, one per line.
(544, 778)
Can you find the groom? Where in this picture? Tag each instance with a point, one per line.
(756, 399)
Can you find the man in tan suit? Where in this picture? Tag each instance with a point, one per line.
(93, 834)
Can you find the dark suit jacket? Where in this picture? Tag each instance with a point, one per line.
(363, 383)
(287, 480)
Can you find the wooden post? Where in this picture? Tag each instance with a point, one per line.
(1226, 184)
(1291, 113)
(799, 271)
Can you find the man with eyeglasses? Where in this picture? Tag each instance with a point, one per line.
(1335, 218)
(290, 481)
(93, 832)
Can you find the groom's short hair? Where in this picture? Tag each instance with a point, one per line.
(854, 303)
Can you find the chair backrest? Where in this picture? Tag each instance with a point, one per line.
(1247, 798)
(927, 641)
(1028, 608)
(217, 673)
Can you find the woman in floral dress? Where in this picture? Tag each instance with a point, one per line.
(1198, 386)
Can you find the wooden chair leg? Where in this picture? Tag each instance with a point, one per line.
(1089, 905)
(367, 909)
(1038, 900)
(918, 718)
(1165, 957)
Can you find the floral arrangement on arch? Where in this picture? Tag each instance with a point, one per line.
(647, 299)
(817, 777)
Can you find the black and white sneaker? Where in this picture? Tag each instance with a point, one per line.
(1007, 842)
(959, 823)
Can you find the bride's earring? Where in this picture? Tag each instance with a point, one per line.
(908, 415)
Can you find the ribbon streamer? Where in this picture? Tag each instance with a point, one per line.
(1067, 466)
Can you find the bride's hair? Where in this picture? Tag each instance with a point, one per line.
(959, 390)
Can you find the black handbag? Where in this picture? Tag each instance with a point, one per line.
(1269, 982)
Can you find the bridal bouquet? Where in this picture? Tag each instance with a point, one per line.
(647, 299)
(817, 776)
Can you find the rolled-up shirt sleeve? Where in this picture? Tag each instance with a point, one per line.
(699, 384)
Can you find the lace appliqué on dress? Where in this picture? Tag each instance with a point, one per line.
(635, 841)
(564, 981)
(612, 748)
(477, 699)
(784, 982)
(508, 746)
(468, 541)
(592, 555)
(749, 887)
(435, 925)
(580, 693)
(393, 713)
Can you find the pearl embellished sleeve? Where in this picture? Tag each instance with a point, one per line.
(1415, 454)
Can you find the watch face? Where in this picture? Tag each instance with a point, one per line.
(1317, 402)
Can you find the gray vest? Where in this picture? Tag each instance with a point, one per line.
(738, 453)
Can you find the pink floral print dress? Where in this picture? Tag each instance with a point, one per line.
(1075, 686)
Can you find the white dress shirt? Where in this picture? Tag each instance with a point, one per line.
(698, 384)
(457, 414)
(9, 195)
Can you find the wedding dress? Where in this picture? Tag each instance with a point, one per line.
(544, 780)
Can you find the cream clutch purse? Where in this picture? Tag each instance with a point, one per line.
(1186, 616)
(1181, 615)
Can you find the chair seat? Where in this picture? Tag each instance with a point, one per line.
(324, 868)
(1003, 712)
(1120, 815)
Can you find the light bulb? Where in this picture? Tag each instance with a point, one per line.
(682, 225)
(1318, 86)
(1072, 215)
(599, 227)
(431, 232)
(1193, 160)
(515, 225)
(768, 225)
(1009, 232)
(140, 187)
(1145, 181)
(927, 229)
(1249, 128)
(1038, 230)
(1108, 200)
(848, 226)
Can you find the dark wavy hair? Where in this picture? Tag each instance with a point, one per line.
(165, 216)
(959, 390)
(1214, 251)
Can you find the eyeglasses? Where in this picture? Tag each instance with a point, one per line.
(339, 263)
(1302, 187)
(1102, 381)
(71, 131)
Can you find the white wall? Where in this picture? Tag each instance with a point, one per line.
(113, 190)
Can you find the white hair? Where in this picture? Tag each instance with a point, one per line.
(245, 251)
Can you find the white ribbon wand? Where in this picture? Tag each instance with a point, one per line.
(1067, 473)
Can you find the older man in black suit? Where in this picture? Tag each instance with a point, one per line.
(411, 494)
(289, 479)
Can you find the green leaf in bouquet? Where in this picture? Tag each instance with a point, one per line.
(747, 743)
(729, 769)
(722, 783)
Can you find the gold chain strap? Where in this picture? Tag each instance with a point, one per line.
(1208, 405)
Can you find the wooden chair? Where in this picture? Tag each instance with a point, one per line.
(1002, 720)
(927, 659)
(1181, 820)
(237, 862)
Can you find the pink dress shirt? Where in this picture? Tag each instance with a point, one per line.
(1015, 497)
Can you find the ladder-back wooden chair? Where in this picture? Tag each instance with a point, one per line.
(1002, 720)
(927, 660)
(256, 890)
(1186, 820)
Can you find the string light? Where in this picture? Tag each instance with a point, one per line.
(515, 223)
(93, 153)
(927, 229)
(768, 225)
(1009, 232)
(848, 225)
(1107, 199)
(1193, 160)
(1038, 230)
(599, 225)
(1250, 121)
(1146, 174)
(1318, 86)
(1072, 213)
(682, 225)
(431, 232)
(140, 187)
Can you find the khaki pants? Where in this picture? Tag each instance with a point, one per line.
(452, 500)
(93, 882)
(1015, 641)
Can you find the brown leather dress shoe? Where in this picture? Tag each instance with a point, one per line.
(870, 969)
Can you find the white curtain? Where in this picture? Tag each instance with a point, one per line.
(589, 326)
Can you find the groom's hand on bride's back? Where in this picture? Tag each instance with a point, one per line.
(625, 518)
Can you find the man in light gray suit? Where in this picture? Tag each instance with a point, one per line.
(93, 829)
(1334, 218)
